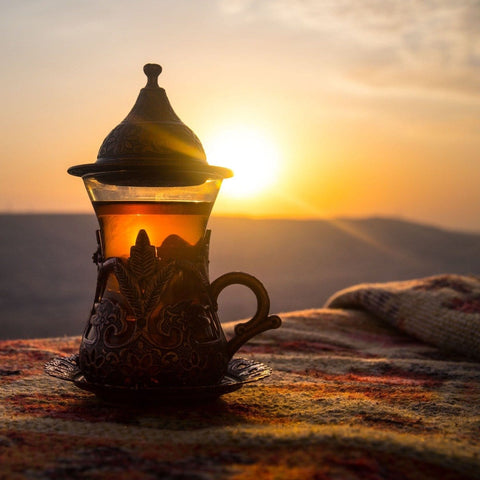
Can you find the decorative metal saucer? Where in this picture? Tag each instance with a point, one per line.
(239, 372)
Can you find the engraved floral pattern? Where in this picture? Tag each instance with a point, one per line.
(153, 336)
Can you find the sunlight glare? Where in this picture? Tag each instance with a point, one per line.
(251, 155)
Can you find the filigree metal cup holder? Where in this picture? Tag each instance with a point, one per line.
(154, 322)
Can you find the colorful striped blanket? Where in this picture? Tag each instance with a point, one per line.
(356, 393)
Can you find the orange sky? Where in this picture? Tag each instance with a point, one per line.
(374, 107)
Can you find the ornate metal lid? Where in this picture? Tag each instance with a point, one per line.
(152, 144)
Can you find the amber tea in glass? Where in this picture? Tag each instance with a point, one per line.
(120, 223)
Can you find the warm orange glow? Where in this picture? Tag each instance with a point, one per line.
(120, 223)
(383, 122)
(251, 155)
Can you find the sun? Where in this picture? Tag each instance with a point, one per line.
(252, 156)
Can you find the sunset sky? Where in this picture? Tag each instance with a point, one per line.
(356, 108)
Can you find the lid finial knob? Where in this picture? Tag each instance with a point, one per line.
(152, 71)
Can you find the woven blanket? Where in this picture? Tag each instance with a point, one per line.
(443, 310)
(350, 397)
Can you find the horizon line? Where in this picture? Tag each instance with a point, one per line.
(333, 219)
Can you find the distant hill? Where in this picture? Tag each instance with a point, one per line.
(47, 277)
(302, 263)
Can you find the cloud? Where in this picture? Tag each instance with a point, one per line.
(430, 44)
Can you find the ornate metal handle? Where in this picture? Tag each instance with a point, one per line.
(260, 322)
